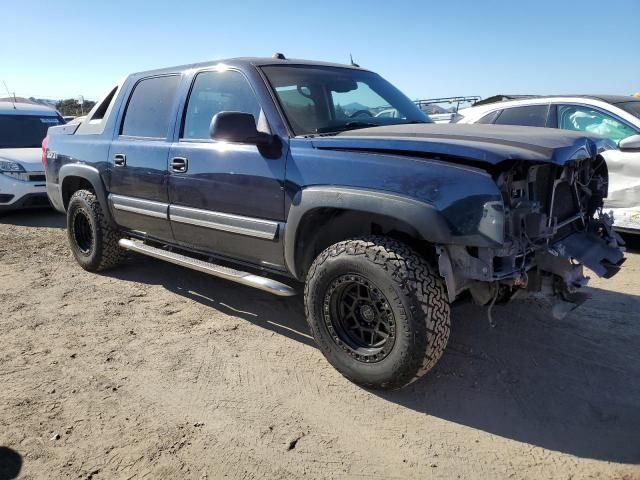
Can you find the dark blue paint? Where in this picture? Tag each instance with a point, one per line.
(144, 176)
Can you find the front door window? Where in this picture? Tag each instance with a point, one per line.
(586, 119)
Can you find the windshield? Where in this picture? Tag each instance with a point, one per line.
(25, 131)
(319, 99)
(632, 107)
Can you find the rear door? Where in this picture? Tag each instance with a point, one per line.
(138, 157)
(226, 198)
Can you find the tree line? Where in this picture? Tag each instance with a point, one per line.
(70, 106)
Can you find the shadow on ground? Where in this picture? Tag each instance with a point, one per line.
(633, 242)
(10, 463)
(42, 218)
(568, 385)
(284, 316)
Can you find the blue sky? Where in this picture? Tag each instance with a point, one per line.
(64, 48)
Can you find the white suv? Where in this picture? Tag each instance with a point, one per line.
(23, 126)
(612, 116)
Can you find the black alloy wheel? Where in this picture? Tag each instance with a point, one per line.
(359, 318)
(82, 232)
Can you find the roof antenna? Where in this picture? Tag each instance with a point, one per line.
(279, 56)
(353, 64)
(13, 98)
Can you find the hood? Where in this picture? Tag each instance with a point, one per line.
(490, 144)
(29, 158)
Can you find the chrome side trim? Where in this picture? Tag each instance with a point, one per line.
(245, 278)
(142, 207)
(253, 227)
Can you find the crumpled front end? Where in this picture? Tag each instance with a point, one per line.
(554, 225)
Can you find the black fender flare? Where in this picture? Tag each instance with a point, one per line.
(91, 175)
(425, 218)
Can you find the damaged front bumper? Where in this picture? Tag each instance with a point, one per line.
(486, 271)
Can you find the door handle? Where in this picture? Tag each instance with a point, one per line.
(179, 164)
(120, 160)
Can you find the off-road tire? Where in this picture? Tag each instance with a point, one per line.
(102, 250)
(415, 293)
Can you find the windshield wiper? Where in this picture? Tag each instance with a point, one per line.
(347, 126)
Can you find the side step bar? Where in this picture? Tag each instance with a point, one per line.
(245, 278)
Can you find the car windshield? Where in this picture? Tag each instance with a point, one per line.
(324, 100)
(632, 107)
(25, 131)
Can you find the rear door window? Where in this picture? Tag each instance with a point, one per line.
(150, 107)
(528, 116)
(586, 119)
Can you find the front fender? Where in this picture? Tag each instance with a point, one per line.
(432, 225)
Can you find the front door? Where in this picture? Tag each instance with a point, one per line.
(225, 198)
(138, 158)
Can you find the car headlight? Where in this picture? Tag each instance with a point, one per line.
(492, 222)
(7, 166)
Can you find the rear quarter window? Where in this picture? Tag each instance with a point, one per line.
(150, 107)
(632, 107)
(489, 117)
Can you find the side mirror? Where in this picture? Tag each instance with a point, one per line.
(630, 144)
(237, 127)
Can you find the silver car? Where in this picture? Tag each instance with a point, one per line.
(615, 117)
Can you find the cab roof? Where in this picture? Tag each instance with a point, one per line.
(246, 62)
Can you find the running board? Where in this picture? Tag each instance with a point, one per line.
(245, 278)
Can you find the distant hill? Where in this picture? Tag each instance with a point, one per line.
(17, 100)
(70, 106)
(34, 101)
(354, 107)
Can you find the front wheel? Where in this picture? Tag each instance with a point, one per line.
(378, 311)
(93, 241)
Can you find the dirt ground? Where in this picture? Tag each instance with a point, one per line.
(155, 371)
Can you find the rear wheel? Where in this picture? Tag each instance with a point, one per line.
(378, 311)
(93, 241)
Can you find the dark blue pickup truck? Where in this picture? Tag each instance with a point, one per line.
(276, 173)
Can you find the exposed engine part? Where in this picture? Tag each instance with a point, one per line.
(553, 225)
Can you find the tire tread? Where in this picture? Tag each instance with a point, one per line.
(110, 254)
(417, 280)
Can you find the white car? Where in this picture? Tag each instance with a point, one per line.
(614, 117)
(23, 126)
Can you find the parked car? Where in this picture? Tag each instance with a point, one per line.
(614, 117)
(23, 126)
(247, 169)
